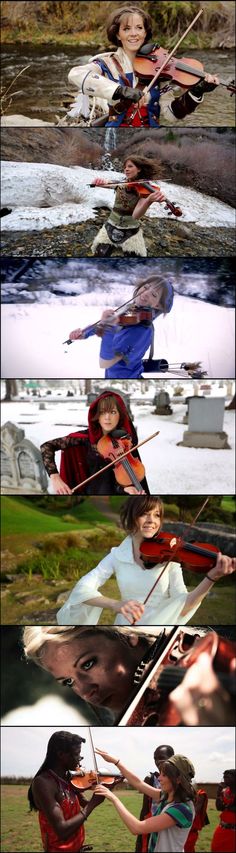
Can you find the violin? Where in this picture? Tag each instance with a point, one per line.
(144, 189)
(131, 317)
(129, 471)
(184, 72)
(151, 705)
(197, 557)
(83, 780)
(90, 779)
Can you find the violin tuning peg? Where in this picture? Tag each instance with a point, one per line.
(139, 672)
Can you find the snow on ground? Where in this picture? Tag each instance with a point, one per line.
(33, 335)
(176, 470)
(45, 195)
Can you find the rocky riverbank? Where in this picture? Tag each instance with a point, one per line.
(164, 238)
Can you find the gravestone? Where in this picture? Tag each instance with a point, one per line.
(162, 404)
(206, 419)
(22, 468)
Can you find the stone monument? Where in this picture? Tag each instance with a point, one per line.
(162, 404)
(22, 469)
(205, 429)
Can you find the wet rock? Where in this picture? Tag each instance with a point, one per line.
(161, 237)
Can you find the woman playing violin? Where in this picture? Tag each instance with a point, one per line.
(123, 346)
(81, 455)
(170, 603)
(110, 84)
(101, 664)
(122, 228)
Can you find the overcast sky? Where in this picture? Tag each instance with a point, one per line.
(211, 749)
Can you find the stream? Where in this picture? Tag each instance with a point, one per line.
(43, 87)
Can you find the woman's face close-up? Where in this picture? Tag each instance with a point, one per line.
(149, 295)
(132, 33)
(149, 524)
(109, 420)
(98, 669)
(131, 171)
(165, 783)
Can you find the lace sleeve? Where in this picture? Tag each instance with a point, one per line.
(49, 448)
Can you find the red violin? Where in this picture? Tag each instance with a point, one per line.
(128, 471)
(131, 317)
(154, 706)
(196, 556)
(184, 72)
(144, 189)
(90, 778)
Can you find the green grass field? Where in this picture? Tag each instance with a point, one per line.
(21, 521)
(104, 829)
(39, 565)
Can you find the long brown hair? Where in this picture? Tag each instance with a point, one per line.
(123, 13)
(136, 506)
(182, 785)
(158, 281)
(147, 167)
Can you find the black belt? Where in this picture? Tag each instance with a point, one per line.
(227, 825)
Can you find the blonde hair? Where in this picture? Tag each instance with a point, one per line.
(35, 638)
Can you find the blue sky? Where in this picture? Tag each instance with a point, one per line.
(211, 749)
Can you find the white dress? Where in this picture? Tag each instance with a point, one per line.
(163, 608)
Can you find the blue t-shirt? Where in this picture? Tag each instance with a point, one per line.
(131, 343)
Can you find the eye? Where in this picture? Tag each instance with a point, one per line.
(88, 664)
(68, 682)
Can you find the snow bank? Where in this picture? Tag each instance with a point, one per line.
(45, 196)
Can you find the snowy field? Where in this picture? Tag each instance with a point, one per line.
(176, 470)
(32, 337)
(42, 196)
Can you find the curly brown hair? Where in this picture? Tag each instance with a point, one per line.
(147, 168)
(122, 14)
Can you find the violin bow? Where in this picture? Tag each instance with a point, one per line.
(93, 753)
(174, 552)
(114, 461)
(99, 322)
(167, 59)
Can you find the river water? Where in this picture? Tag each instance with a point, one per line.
(42, 88)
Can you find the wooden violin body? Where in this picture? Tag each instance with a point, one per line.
(198, 557)
(185, 72)
(90, 778)
(144, 189)
(128, 471)
(152, 706)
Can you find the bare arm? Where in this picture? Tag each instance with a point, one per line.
(134, 780)
(45, 795)
(224, 566)
(136, 826)
(144, 203)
